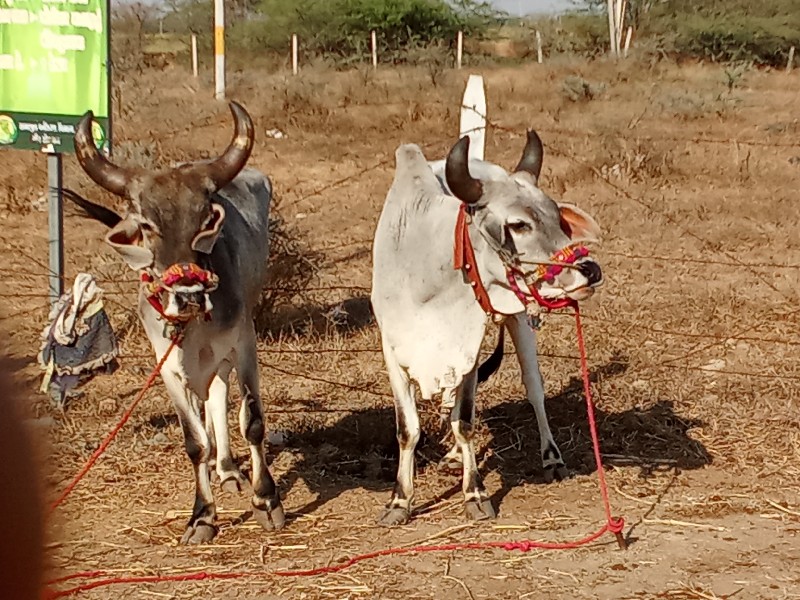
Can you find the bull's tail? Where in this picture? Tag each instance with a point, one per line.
(491, 364)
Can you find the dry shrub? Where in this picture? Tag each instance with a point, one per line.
(691, 104)
(302, 97)
(292, 267)
(634, 160)
(578, 89)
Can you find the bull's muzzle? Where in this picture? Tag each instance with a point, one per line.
(592, 271)
(185, 290)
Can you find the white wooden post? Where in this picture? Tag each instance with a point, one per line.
(790, 62)
(219, 50)
(538, 47)
(194, 54)
(374, 41)
(612, 27)
(294, 54)
(459, 48)
(620, 17)
(473, 116)
(627, 41)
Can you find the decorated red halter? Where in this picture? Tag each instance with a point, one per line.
(187, 273)
(546, 272)
(464, 259)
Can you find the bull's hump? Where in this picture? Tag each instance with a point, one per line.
(408, 153)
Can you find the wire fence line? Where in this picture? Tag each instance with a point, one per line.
(375, 391)
(210, 121)
(718, 339)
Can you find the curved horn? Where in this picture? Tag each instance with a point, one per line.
(222, 170)
(531, 161)
(102, 171)
(465, 187)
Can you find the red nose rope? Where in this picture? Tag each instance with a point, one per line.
(179, 272)
(615, 525)
(113, 433)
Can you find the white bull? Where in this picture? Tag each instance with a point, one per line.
(431, 324)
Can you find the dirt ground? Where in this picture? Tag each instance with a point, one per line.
(693, 174)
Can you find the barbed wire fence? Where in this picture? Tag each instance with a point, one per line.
(121, 299)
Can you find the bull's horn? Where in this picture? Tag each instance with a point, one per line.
(531, 161)
(102, 171)
(463, 185)
(222, 170)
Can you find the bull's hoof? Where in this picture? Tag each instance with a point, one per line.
(479, 510)
(394, 515)
(555, 472)
(271, 518)
(199, 533)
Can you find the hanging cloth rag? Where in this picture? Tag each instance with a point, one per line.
(79, 340)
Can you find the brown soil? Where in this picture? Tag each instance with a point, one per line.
(693, 343)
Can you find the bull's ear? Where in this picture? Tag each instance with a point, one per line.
(205, 240)
(578, 225)
(125, 238)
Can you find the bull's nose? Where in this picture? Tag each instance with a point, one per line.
(591, 270)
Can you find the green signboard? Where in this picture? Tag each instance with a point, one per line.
(54, 66)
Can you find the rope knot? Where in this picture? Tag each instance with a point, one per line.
(616, 525)
(523, 546)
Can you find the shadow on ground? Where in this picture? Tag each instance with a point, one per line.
(360, 451)
(314, 320)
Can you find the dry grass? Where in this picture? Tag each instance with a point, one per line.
(693, 344)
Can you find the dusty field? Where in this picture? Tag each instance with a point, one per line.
(693, 342)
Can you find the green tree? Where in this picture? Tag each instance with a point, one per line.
(342, 27)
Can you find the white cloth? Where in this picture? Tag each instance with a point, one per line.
(85, 301)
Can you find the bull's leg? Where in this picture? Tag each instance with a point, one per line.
(452, 460)
(525, 345)
(201, 527)
(267, 507)
(477, 505)
(398, 509)
(231, 479)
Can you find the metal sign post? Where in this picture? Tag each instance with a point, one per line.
(56, 225)
(54, 66)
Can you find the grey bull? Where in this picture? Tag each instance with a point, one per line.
(432, 326)
(198, 233)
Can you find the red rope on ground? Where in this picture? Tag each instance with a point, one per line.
(613, 525)
(126, 415)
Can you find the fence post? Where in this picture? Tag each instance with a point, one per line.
(612, 28)
(294, 54)
(620, 23)
(374, 41)
(194, 54)
(627, 42)
(790, 62)
(219, 50)
(538, 46)
(473, 116)
(459, 48)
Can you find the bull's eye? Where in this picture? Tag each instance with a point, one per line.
(519, 226)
